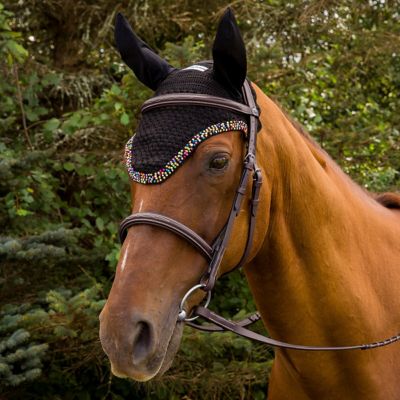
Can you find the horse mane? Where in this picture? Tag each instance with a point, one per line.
(388, 199)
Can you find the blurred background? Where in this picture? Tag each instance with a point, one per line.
(67, 107)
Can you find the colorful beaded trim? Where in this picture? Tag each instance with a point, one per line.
(180, 157)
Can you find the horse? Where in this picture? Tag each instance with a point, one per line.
(323, 266)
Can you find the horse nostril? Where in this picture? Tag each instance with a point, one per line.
(142, 342)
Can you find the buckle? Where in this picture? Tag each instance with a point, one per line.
(254, 111)
(248, 162)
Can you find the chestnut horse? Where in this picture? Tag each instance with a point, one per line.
(324, 266)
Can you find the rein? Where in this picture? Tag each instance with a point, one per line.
(215, 253)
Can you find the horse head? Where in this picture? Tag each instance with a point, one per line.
(186, 164)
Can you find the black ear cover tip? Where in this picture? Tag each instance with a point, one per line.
(229, 54)
(148, 67)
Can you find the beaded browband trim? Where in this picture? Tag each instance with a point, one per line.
(180, 157)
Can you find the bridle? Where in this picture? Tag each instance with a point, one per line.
(215, 253)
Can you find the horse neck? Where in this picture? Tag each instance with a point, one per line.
(311, 270)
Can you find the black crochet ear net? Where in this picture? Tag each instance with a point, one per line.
(162, 132)
(229, 54)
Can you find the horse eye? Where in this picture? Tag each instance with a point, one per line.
(219, 162)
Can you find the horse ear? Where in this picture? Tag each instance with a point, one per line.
(229, 54)
(148, 67)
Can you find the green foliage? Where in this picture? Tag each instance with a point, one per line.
(9, 40)
(20, 357)
(20, 362)
(185, 53)
(68, 105)
(336, 68)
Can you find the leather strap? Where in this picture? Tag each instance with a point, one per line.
(240, 330)
(182, 99)
(148, 218)
(257, 182)
(257, 176)
(251, 319)
(249, 166)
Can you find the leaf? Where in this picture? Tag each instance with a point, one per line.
(69, 166)
(84, 171)
(31, 114)
(51, 124)
(21, 212)
(100, 224)
(124, 119)
(16, 50)
(41, 110)
(115, 90)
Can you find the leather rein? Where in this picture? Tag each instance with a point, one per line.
(215, 253)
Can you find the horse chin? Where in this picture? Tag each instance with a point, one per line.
(172, 349)
(158, 365)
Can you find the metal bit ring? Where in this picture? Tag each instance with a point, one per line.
(182, 316)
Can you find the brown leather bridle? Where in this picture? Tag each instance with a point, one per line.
(215, 253)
